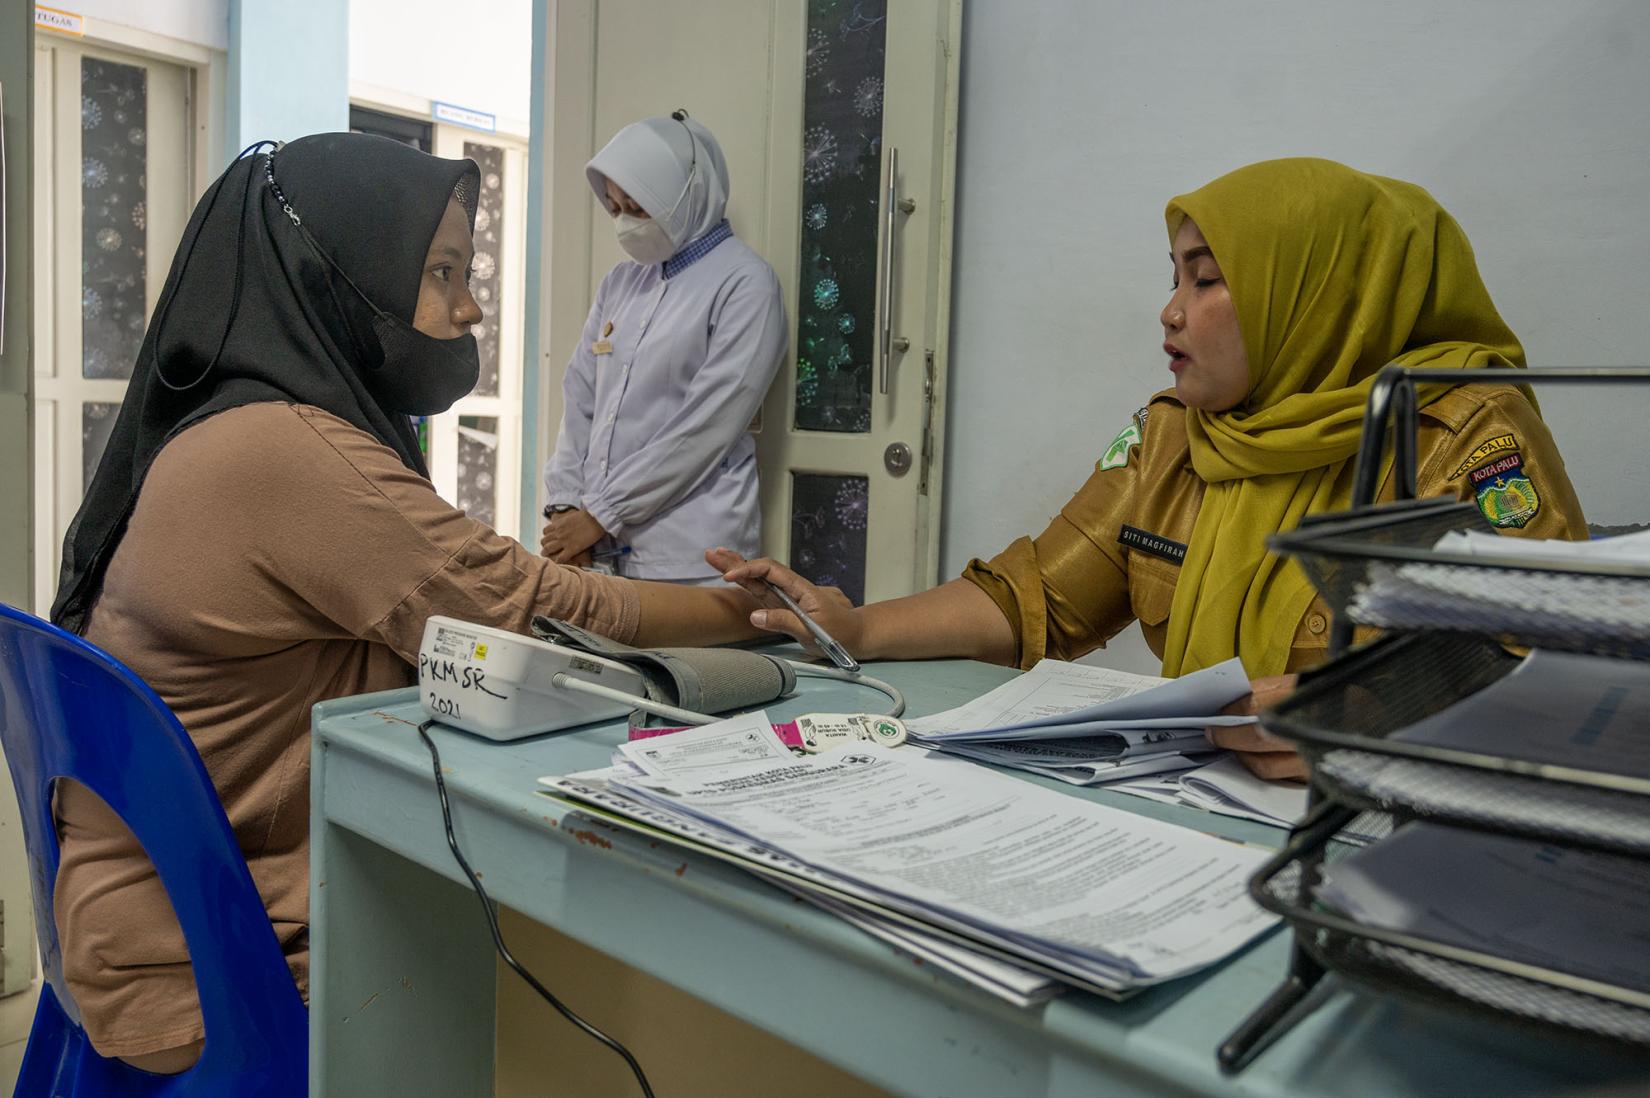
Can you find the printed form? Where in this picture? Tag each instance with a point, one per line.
(1057, 875)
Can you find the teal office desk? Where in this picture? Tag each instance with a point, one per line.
(402, 980)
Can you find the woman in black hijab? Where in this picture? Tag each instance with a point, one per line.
(253, 310)
(261, 533)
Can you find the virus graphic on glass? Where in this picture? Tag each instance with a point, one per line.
(818, 154)
(113, 218)
(868, 97)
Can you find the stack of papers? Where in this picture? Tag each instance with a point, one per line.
(1014, 883)
(1226, 786)
(1087, 725)
(1596, 610)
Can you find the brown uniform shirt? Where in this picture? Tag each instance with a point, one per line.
(277, 557)
(1112, 555)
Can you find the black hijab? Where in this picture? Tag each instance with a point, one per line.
(251, 313)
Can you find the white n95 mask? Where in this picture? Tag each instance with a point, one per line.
(643, 238)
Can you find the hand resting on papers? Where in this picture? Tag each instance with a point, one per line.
(1267, 756)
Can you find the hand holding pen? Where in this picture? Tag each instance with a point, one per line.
(827, 644)
(821, 619)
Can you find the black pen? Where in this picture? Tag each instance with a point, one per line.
(839, 655)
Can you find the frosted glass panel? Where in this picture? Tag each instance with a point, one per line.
(828, 530)
(113, 223)
(485, 281)
(841, 165)
(478, 467)
(97, 422)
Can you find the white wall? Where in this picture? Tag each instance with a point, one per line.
(288, 70)
(405, 53)
(202, 22)
(1081, 118)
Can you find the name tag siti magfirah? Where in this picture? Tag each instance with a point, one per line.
(1153, 545)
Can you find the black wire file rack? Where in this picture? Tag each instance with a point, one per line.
(1378, 568)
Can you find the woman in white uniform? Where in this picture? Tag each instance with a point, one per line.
(655, 460)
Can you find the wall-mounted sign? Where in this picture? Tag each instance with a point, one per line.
(464, 116)
(63, 22)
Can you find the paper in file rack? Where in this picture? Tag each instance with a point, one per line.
(1554, 601)
(1567, 709)
(1572, 911)
(1583, 721)
(1103, 898)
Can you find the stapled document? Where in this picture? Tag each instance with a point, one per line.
(1100, 896)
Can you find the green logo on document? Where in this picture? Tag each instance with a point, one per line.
(1117, 454)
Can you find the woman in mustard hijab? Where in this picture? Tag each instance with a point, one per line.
(1295, 282)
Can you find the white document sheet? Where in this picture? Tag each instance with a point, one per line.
(1009, 982)
(1058, 699)
(1097, 772)
(1575, 911)
(740, 743)
(1059, 875)
(1590, 712)
(1226, 782)
(1225, 787)
(1625, 548)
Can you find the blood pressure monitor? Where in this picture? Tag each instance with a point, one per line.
(504, 686)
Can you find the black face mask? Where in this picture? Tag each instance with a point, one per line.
(420, 375)
(417, 374)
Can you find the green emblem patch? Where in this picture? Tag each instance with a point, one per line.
(1117, 454)
(1506, 495)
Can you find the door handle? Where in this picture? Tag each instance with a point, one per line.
(887, 343)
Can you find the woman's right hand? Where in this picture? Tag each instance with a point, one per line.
(828, 606)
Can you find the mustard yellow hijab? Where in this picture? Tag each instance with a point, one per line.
(1334, 274)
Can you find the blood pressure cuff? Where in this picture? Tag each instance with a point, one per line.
(700, 680)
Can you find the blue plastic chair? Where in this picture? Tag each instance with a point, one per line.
(69, 710)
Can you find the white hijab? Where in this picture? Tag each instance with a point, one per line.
(651, 159)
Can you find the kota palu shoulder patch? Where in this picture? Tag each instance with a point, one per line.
(1483, 450)
(1117, 454)
(1506, 495)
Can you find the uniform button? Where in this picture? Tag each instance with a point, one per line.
(1316, 622)
(610, 417)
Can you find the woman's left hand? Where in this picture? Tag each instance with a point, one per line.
(569, 535)
(1267, 756)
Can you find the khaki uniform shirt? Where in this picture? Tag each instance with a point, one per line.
(277, 556)
(1113, 554)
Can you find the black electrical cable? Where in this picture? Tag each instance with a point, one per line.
(498, 938)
